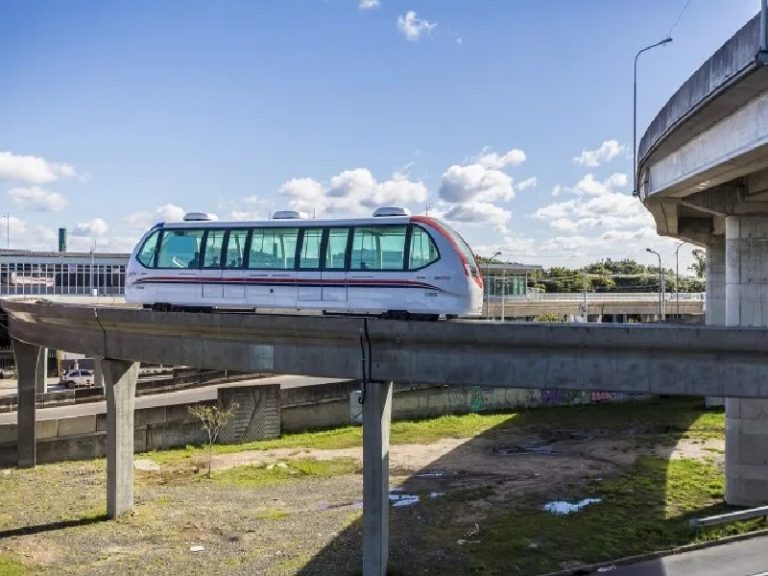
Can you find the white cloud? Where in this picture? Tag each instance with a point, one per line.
(37, 199)
(368, 4)
(91, 228)
(557, 190)
(25, 236)
(352, 191)
(490, 159)
(606, 152)
(412, 27)
(475, 182)
(527, 183)
(164, 213)
(32, 169)
(476, 213)
(592, 187)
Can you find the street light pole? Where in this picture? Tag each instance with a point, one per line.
(677, 275)
(635, 188)
(488, 284)
(661, 285)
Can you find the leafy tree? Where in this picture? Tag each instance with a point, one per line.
(699, 266)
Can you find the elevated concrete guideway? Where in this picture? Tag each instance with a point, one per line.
(636, 358)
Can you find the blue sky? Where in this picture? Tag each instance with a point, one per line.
(115, 114)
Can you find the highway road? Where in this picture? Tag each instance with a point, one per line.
(181, 397)
(743, 558)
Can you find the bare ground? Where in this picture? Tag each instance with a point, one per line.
(49, 516)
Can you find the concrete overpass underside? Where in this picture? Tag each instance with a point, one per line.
(703, 174)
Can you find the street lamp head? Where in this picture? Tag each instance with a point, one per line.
(649, 250)
(666, 40)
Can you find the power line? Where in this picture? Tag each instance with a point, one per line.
(679, 17)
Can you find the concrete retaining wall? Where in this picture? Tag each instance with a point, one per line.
(263, 411)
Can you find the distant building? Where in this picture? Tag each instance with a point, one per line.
(510, 278)
(62, 273)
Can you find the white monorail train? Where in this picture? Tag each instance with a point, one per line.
(393, 265)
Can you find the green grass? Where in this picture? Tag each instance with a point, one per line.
(663, 416)
(263, 475)
(11, 567)
(645, 510)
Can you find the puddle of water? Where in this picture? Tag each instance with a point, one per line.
(398, 499)
(562, 508)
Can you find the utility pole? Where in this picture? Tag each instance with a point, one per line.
(503, 290)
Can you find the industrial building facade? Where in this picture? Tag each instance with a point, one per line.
(24, 272)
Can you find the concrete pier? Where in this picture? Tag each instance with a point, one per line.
(715, 302)
(120, 384)
(746, 434)
(377, 418)
(27, 362)
(42, 372)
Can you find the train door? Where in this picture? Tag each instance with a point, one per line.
(308, 274)
(211, 276)
(177, 267)
(334, 276)
(233, 266)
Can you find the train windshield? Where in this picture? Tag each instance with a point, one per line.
(464, 247)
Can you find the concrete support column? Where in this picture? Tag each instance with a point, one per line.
(746, 294)
(120, 384)
(377, 417)
(27, 358)
(42, 372)
(98, 372)
(715, 302)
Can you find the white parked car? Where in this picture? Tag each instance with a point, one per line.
(77, 378)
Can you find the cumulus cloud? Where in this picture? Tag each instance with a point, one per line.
(164, 213)
(527, 183)
(32, 169)
(606, 152)
(91, 228)
(368, 4)
(475, 182)
(599, 206)
(25, 236)
(37, 199)
(412, 27)
(352, 191)
(476, 213)
(497, 161)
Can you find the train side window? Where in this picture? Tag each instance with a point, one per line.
(378, 248)
(273, 248)
(180, 248)
(214, 242)
(423, 249)
(309, 259)
(147, 253)
(235, 254)
(336, 249)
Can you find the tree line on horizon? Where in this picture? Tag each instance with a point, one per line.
(608, 275)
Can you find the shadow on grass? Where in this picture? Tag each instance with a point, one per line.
(52, 526)
(478, 510)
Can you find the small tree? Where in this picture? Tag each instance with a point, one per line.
(699, 265)
(213, 418)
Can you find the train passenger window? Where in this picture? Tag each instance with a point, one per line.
(273, 248)
(180, 249)
(309, 259)
(214, 242)
(147, 253)
(336, 250)
(423, 249)
(378, 248)
(235, 254)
